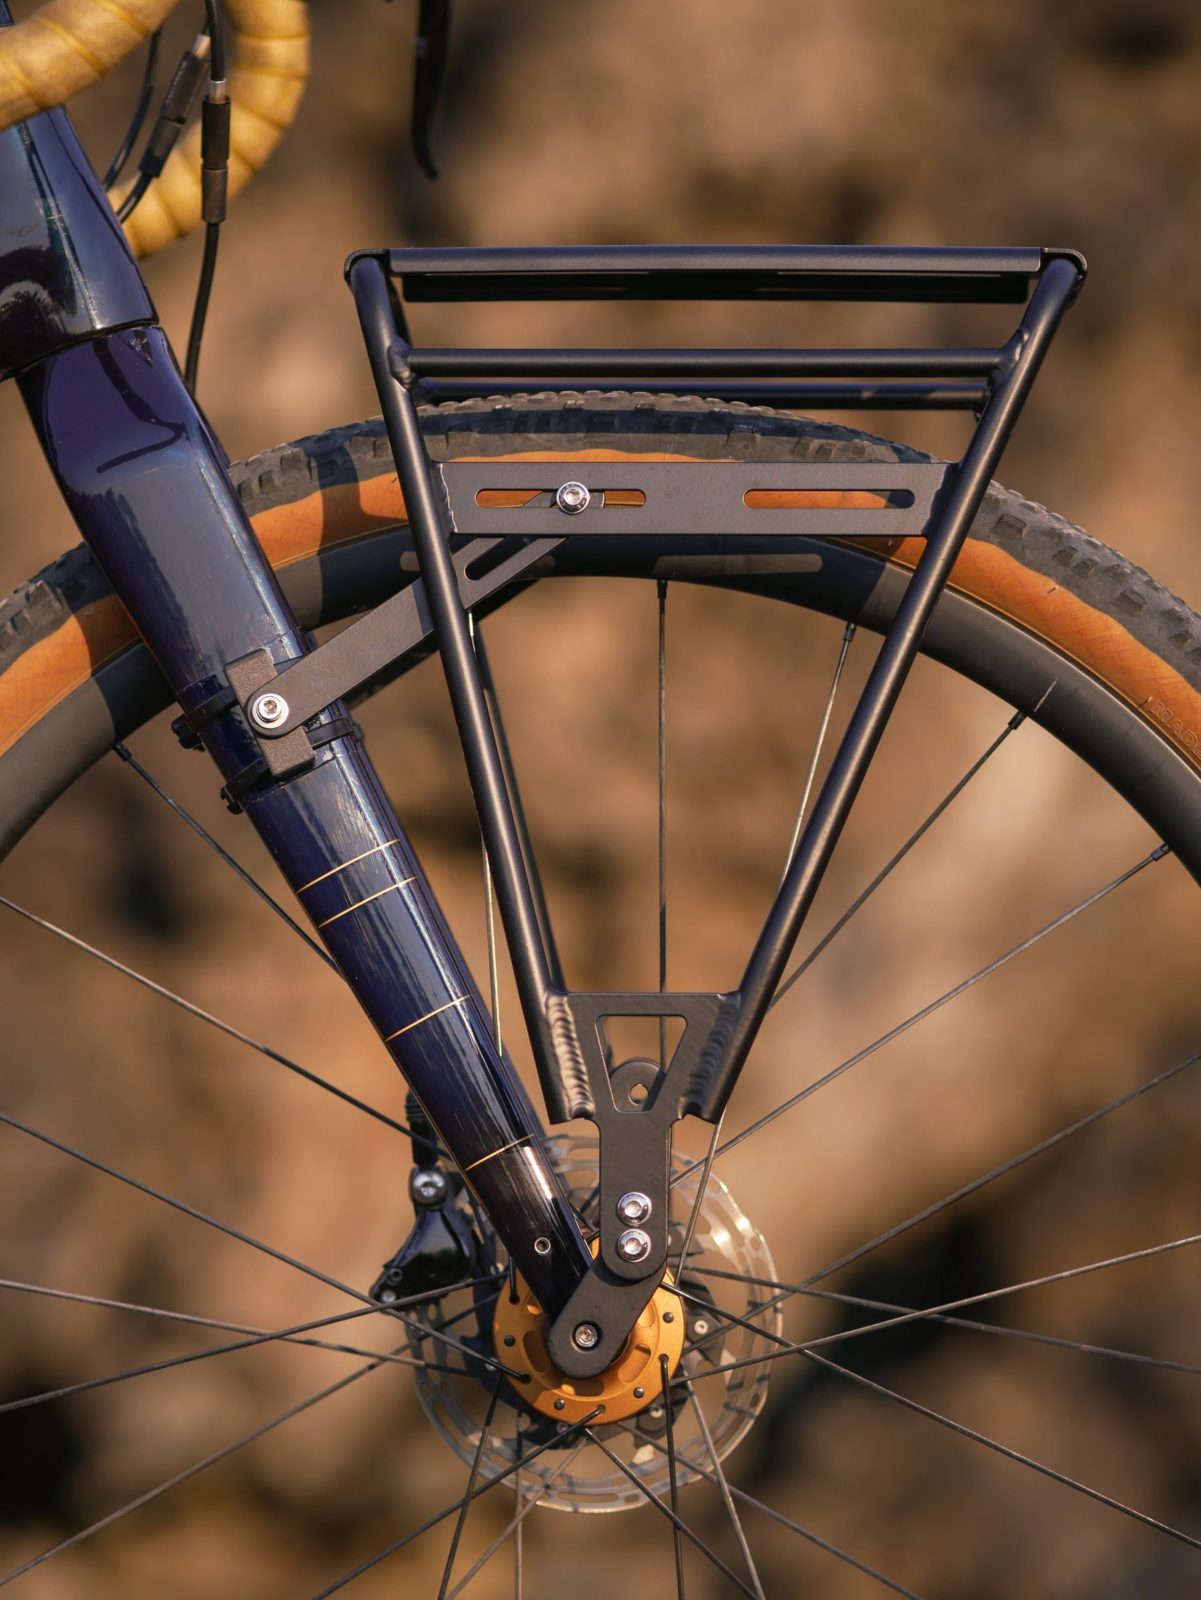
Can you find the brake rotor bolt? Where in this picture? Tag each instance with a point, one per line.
(510, 1341)
(634, 1245)
(585, 1336)
(560, 1405)
(639, 1394)
(542, 1245)
(669, 1316)
(572, 498)
(269, 710)
(634, 1208)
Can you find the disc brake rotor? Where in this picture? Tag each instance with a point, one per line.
(693, 1328)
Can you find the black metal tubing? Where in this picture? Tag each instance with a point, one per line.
(706, 364)
(1050, 299)
(485, 769)
(719, 1029)
(717, 272)
(789, 392)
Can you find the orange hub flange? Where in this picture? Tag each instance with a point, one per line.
(634, 1381)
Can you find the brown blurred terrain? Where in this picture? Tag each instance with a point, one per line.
(926, 121)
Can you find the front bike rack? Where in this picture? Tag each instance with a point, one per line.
(469, 550)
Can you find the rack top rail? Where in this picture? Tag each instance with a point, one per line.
(719, 272)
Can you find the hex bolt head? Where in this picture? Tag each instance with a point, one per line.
(586, 1336)
(572, 498)
(634, 1208)
(269, 710)
(634, 1245)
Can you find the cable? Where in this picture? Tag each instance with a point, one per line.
(214, 181)
(208, 266)
(178, 103)
(212, 10)
(141, 111)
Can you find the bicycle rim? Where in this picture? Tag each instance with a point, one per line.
(1138, 752)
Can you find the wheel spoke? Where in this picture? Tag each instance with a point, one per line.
(472, 1479)
(1081, 1346)
(182, 1206)
(673, 1476)
(885, 1323)
(189, 1356)
(848, 634)
(206, 1016)
(235, 866)
(934, 1005)
(653, 1499)
(178, 1478)
(254, 1337)
(514, 1526)
(449, 1511)
(1003, 1169)
(702, 1184)
(724, 1489)
(778, 1516)
(894, 861)
(743, 1322)
(249, 1239)
(1005, 1450)
(241, 1327)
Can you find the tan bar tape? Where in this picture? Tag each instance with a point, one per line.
(269, 52)
(70, 44)
(66, 46)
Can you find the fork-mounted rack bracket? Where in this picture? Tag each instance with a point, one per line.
(477, 527)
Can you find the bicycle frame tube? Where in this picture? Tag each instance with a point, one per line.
(146, 483)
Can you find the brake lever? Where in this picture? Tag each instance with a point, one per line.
(430, 50)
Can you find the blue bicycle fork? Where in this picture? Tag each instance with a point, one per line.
(146, 482)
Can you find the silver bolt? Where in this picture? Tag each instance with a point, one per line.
(388, 1296)
(542, 1245)
(634, 1207)
(639, 1394)
(428, 1186)
(700, 1327)
(655, 1411)
(634, 1245)
(269, 710)
(572, 498)
(585, 1336)
(560, 1404)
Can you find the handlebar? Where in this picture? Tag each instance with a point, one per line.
(68, 45)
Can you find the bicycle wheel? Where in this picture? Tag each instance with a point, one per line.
(938, 1420)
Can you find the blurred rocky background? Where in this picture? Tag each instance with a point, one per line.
(923, 121)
